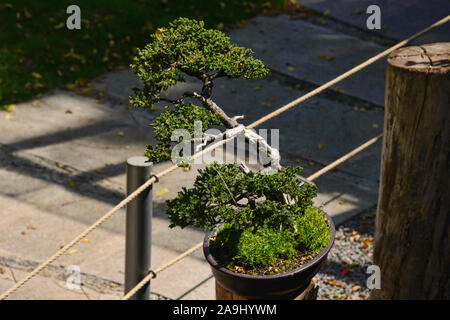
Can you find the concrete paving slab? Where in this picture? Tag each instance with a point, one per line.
(400, 19)
(314, 53)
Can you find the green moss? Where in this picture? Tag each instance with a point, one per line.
(313, 232)
(265, 247)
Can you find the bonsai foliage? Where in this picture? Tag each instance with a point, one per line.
(259, 225)
(187, 48)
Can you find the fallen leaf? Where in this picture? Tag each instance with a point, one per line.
(320, 146)
(84, 92)
(38, 85)
(36, 103)
(2, 271)
(161, 192)
(68, 111)
(70, 86)
(366, 243)
(356, 288)
(84, 240)
(148, 27)
(27, 13)
(71, 184)
(8, 116)
(375, 126)
(326, 13)
(326, 58)
(9, 108)
(266, 104)
(6, 5)
(59, 26)
(346, 271)
(72, 251)
(31, 227)
(120, 133)
(291, 69)
(331, 282)
(72, 54)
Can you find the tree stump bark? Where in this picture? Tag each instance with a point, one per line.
(310, 293)
(412, 246)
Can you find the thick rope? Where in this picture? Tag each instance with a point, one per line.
(334, 164)
(271, 115)
(346, 74)
(153, 274)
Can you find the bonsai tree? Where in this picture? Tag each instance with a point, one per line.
(264, 220)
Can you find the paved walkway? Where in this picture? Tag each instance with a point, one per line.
(62, 164)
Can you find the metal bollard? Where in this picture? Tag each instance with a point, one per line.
(138, 227)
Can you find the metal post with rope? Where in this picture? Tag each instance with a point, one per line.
(213, 146)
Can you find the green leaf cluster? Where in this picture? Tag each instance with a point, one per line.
(222, 193)
(187, 47)
(183, 116)
(258, 225)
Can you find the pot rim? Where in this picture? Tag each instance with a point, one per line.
(317, 259)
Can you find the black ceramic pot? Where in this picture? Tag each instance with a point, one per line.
(286, 285)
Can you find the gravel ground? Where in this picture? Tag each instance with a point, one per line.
(344, 275)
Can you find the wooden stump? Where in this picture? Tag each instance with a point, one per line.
(412, 245)
(310, 293)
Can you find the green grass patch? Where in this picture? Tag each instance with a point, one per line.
(39, 53)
